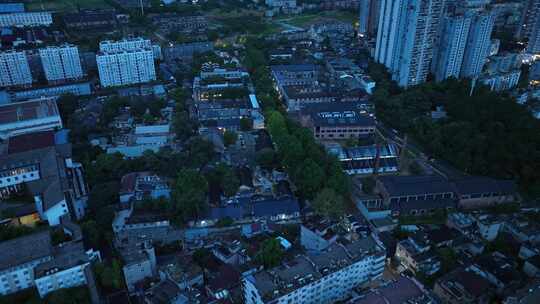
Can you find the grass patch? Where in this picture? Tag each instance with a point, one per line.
(64, 5)
(305, 20)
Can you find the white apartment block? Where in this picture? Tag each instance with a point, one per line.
(406, 38)
(117, 68)
(478, 43)
(14, 69)
(19, 257)
(321, 278)
(26, 19)
(61, 63)
(70, 267)
(130, 44)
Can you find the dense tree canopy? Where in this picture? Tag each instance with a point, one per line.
(485, 133)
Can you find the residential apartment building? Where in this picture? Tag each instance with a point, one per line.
(533, 45)
(32, 260)
(337, 120)
(369, 17)
(14, 69)
(529, 18)
(41, 164)
(448, 58)
(415, 254)
(130, 44)
(78, 89)
(29, 116)
(406, 37)
(462, 286)
(61, 63)
(323, 277)
(478, 42)
(137, 186)
(26, 19)
(70, 267)
(117, 68)
(19, 257)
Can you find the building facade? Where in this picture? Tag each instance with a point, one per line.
(451, 46)
(61, 63)
(14, 69)
(117, 68)
(406, 38)
(26, 19)
(478, 43)
(324, 277)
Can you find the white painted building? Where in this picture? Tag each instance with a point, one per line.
(325, 277)
(14, 69)
(130, 44)
(61, 62)
(117, 68)
(70, 267)
(19, 257)
(406, 36)
(26, 19)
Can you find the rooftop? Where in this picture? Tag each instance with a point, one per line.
(25, 249)
(28, 110)
(66, 256)
(338, 113)
(415, 185)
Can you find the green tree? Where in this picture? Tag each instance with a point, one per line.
(329, 204)
(270, 254)
(224, 176)
(74, 295)
(266, 158)
(190, 194)
(229, 138)
(67, 105)
(109, 276)
(246, 124)
(368, 184)
(309, 178)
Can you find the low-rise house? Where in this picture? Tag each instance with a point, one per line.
(91, 20)
(318, 234)
(530, 294)
(139, 262)
(337, 120)
(462, 222)
(322, 277)
(531, 266)
(462, 286)
(297, 97)
(181, 270)
(295, 74)
(402, 189)
(500, 270)
(138, 186)
(488, 226)
(130, 223)
(415, 254)
(70, 267)
(222, 282)
(477, 192)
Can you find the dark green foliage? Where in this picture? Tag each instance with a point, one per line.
(225, 178)
(329, 204)
(270, 254)
(190, 194)
(229, 138)
(487, 133)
